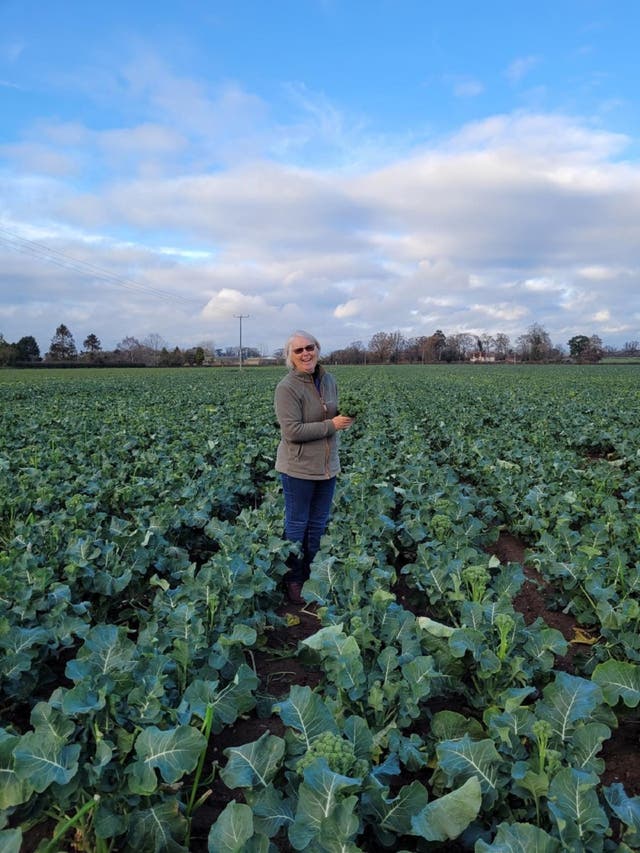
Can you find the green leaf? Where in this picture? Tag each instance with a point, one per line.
(42, 758)
(419, 674)
(232, 830)
(576, 810)
(342, 658)
(235, 699)
(447, 817)
(465, 758)
(157, 829)
(585, 745)
(173, 752)
(357, 730)
(450, 725)
(305, 711)
(627, 809)
(394, 816)
(13, 790)
(323, 807)
(83, 699)
(254, 763)
(436, 629)
(568, 701)
(271, 811)
(618, 680)
(10, 840)
(519, 838)
(106, 650)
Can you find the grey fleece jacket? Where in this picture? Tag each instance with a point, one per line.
(308, 439)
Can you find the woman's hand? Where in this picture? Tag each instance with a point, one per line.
(342, 422)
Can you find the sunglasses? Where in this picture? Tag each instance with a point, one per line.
(300, 350)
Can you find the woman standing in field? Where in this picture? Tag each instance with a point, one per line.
(306, 404)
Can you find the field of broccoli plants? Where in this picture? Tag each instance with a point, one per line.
(158, 694)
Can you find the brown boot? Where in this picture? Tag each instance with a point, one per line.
(294, 593)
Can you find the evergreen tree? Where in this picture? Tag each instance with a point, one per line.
(63, 347)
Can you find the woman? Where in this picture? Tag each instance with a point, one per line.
(306, 404)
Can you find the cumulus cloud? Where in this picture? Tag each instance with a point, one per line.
(513, 219)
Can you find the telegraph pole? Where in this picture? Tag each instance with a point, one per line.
(241, 317)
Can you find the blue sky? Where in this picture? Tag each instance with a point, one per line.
(344, 167)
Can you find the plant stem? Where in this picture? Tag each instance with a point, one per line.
(206, 731)
(71, 822)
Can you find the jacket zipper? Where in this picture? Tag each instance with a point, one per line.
(327, 446)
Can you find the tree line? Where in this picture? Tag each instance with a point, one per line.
(534, 345)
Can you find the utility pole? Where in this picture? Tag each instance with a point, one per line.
(241, 317)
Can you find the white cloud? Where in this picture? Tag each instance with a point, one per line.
(520, 67)
(513, 219)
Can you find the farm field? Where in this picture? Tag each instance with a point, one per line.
(470, 641)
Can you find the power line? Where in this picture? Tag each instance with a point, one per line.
(62, 259)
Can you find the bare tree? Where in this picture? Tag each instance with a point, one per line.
(503, 342)
(535, 344)
(155, 344)
(381, 347)
(130, 349)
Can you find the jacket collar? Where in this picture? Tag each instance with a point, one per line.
(308, 377)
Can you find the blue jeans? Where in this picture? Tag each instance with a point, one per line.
(307, 506)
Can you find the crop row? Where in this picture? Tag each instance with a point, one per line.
(141, 555)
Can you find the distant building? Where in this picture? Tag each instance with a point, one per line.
(481, 358)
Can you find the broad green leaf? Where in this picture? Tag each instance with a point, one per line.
(357, 730)
(42, 758)
(232, 830)
(447, 817)
(618, 680)
(532, 782)
(340, 828)
(394, 815)
(585, 744)
(106, 650)
(450, 725)
(254, 763)
(342, 657)
(519, 838)
(465, 640)
(271, 810)
(158, 829)
(419, 674)
(627, 809)
(568, 700)
(305, 711)
(13, 790)
(437, 629)
(83, 699)
(576, 810)
(235, 698)
(464, 758)
(48, 719)
(173, 753)
(10, 840)
(196, 698)
(321, 798)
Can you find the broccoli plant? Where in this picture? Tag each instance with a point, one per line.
(351, 405)
(339, 754)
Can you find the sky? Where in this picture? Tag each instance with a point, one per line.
(197, 170)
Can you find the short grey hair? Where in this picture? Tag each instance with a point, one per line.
(299, 333)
